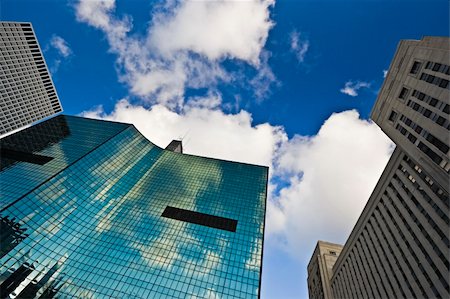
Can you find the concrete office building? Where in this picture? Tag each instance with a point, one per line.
(27, 93)
(320, 269)
(400, 246)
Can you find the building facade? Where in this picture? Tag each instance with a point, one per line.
(320, 269)
(400, 246)
(92, 209)
(27, 93)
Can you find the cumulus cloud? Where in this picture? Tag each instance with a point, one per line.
(184, 46)
(351, 88)
(319, 184)
(331, 176)
(298, 45)
(215, 29)
(208, 132)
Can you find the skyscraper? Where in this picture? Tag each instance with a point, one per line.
(400, 245)
(320, 269)
(27, 93)
(91, 208)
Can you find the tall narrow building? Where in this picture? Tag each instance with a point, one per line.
(320, 269)
(27, 93)
(400, 245)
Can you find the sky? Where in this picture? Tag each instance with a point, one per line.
(287, 84)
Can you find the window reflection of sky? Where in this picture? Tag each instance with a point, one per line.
(100, 219)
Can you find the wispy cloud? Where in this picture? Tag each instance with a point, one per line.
(61, 46)
(299, 45)
(385, 72)
(62, 49)
(351, 88)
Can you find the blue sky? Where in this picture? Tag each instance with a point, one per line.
(288, 84)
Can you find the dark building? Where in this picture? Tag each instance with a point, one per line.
(93, 209)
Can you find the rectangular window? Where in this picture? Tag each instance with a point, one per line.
(24, 156)
(443, 83)
(436, 67)
(430, 153)
(412, 138)
(403, 93)
(200, 218)
(393, 116)
(415, 67)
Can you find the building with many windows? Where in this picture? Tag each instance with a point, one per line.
(27, 93)
(320, 269)
(91, 208)
(400, 245)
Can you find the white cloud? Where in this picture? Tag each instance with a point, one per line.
(63, 52)
(298, 46)
(61, 46)
(216, 29)
(264, 79)
(96, 13)
(331, 176)
(385, 72)
(351, 88)
(184, 45)
(207, 132)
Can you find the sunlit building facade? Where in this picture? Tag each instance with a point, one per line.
(320, 269)
(27, 93)
(399, 247)
(92, 209)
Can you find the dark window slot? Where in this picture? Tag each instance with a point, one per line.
(24, 156)
(415, 68)
(403, 93)
(200, 218)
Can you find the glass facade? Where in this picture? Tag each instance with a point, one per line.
(87, 220)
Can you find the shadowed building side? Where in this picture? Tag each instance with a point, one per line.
(399, 247)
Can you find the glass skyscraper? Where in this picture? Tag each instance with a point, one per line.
(92, 209)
